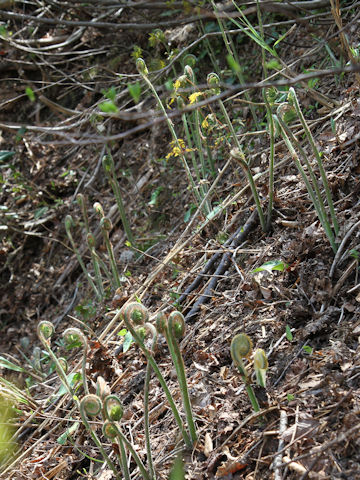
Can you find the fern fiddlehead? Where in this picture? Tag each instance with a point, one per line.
(136, 311)
(111, 428)
(241, 347)
(174, 330)
(91, 406)
(75, 335)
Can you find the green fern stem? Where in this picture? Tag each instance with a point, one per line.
(109, 168)
(91, 405)
(96, 262)
(106, 227)
(113, 412)
(292, 97)
(241, 347)
(45, 330)
(153, 333)
(175, 329)
(69, 222)
(72, 335)
(111, 429)
(154, 366)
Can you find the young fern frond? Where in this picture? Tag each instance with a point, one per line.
(95, 261)
(109, 168)
(72, 335)
(113, 412)
(237, 153)
(69, 223)
(173, 332)
(136, 310)
(91, 406)
(293, 100)
(45, 330)
(106, 227)
(99, 210)
(142, 69)
(80, 199)
(315, 196)
(241, 347)
(261, 365)
(150, 328)
(111, 430)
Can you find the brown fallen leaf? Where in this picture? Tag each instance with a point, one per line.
(208, 445)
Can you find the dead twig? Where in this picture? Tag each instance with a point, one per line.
(222, 267)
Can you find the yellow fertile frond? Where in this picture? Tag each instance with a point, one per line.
(194, 96)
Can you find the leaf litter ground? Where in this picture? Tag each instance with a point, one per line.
(310, 409)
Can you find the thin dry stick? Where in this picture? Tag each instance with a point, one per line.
(278, 457)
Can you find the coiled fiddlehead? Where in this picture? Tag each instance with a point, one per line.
(141, 67)
(174, 331)
(45, 330)
(111, 428)
(99, 210)
(136, 313)
(113, 408)
(113, 412)
(161, 322)
(150, 328)
(90, 406)
(241, 347)
(74, 335)
(80, 199)
(128, 314)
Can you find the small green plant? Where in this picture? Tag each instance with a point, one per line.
(237, 152)
(74, 336)
(307, 349)
(113, 412)
(128, 339)
(289, 334)
(30, 93)
(271, 266)
(241, 348)
(45, 330)
(109, 105)
(91, 406)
